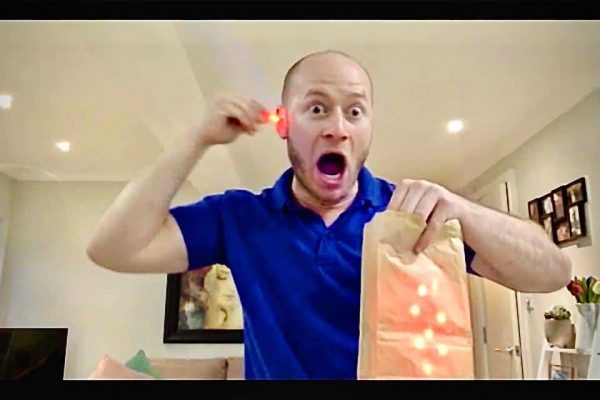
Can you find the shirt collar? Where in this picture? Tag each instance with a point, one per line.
(371, 191)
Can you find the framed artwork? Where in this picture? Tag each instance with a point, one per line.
(558, 202)
(577, 221)
(576, 192)
(203, 306)
(563, 231)
(547, 224)
(547, 205)
(561, 372)
(534, 210)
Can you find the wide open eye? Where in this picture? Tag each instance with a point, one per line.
(356, 111)
(317, 109)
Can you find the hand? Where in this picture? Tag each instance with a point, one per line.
(229, 116)
(433, 202)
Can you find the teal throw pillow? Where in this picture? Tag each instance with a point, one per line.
(141, 363)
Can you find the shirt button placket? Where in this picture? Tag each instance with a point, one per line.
(324, 249)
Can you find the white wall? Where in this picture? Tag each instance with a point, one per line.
(5, 201)
(565, 150)
(49, 280)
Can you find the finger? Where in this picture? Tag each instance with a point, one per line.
(431, 231)
(245, 106)
(425, 206)
(253, 108)
(238, 117)
(258, 109)
(236, 123)
(411, 199)
(397, 197)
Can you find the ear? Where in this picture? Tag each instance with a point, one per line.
(282, 126)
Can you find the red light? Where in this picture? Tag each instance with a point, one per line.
(278, 118)
(268, 116)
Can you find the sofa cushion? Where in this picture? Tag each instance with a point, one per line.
(108, 368)
(235, 368)
(171, 368)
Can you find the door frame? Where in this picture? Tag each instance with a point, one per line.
(3, 242)
(3, 246)
(522, 314)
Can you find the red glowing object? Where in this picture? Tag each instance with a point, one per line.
(268, 116)
(279, 118)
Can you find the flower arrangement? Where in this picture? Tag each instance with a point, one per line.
(585, 290)
(558, 313)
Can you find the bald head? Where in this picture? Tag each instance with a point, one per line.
(315, 58)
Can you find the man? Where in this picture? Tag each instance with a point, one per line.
(295, 249)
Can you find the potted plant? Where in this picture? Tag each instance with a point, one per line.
(558, 328)
(586, 291)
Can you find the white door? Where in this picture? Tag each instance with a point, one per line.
(497, 339)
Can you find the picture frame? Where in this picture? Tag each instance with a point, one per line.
(561, 372)
(548, 226)
(576, 192)
(577, 222)
(534, 210)
(203, 306)
(546, 205)
(562, 231)
(559, 196)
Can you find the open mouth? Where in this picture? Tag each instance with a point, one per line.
(332, 165)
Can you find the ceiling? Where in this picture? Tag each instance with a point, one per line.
(121, 91)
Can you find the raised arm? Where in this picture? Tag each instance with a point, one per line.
(137, 233)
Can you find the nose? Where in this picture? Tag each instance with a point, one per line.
(335, 128)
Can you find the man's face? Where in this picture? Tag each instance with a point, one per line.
(329, 109)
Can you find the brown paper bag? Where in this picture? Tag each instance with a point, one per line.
(415, 320)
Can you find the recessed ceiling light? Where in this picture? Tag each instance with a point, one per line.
(63, 146)
(455, 126)
(5, 101)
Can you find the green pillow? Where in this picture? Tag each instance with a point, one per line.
(141, 363)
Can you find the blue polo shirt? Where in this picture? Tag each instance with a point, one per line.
(298, 280)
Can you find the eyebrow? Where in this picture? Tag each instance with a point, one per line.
(317, 92)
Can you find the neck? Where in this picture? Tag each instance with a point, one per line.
(328, 211)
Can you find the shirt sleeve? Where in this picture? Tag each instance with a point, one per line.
(202, 227)
(469, 256)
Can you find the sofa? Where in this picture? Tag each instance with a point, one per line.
(218, 368)
(224, 368)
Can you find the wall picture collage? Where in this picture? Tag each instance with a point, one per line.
(562, 212)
